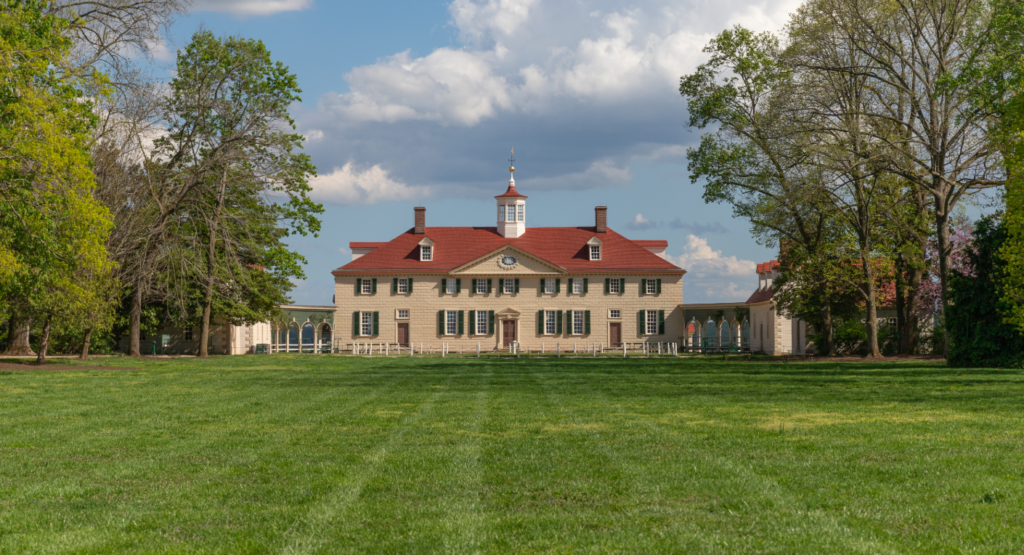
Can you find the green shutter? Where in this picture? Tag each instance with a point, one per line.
(540, 322)
(586, 285)
(659, 287)
(376, 323)
(458, 285)
(472, 322)
(440, 322)
(444, 286)
(517, 285)
(661, 321)
(355, 324)
(558, 322)
(410, 285)
(586, 322)
(643, 287)
(542, 290)
(490, 321)
(394, 285)
(359, 286)
(641, 329)
(568, 322)
(373, 287)
(558, 285)
(462, 322)
(607, 285)
(622, 285)
(489, 285)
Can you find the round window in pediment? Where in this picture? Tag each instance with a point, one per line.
(508, 261)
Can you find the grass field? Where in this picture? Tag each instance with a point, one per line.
(293, 454)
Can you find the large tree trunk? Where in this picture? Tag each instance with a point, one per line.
(135, 323)
(827, 333)
(211, 267)
(18, 337)
(85, 344)
(870, 299)
(945, 261)
(44, 344)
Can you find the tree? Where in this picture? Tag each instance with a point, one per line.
(918, 60)
(232, 100)
(51, 228)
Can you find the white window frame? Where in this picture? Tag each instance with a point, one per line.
(451, 322)
(508, 286)
(521, 211)
(400, 316)
(481, 286)
(365, 324)
(550, 322)
(577, 286)
(426, 253)
(614, 313)
(615, 286)
(652, 287)
(595, 252)
(501, 212)
(510, 213)
(403, 285)
(450, 286)
(366, 287)
(481, 322)
(651, 320)
(578, 322)
(549, 286)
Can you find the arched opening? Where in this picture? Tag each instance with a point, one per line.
(693, 333)
(293, 338)
(726, 334)
(711, 334)
(746, 333)
(308, 338)
(325, 339)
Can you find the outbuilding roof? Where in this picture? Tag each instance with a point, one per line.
(564, 247)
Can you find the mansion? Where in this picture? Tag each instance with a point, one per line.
(509, 285)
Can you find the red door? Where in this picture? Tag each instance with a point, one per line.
(615, 330)
(509, 332)
(403, 334)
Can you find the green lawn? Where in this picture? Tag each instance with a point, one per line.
(303, 454)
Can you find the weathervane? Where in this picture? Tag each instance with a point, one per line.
(512, 161)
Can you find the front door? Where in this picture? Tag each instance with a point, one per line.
(403, 334)
(615, 330)
(508, 328)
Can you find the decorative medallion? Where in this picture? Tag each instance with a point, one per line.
(507, 262)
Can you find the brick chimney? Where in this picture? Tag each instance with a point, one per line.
(601, 219)
(421, 220)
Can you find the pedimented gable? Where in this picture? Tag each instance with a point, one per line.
(525, 264)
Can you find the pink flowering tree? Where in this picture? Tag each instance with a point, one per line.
(930, 293)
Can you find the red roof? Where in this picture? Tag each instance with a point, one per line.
(365, 245)
(761, 295)
(511, 192)
(651, 243)
(565, 247)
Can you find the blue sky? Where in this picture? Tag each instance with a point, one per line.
(417, 103)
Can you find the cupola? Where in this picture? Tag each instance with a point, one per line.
(511, 208)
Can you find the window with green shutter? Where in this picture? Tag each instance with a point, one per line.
(643, 287)
(586, 322)
(376, 323)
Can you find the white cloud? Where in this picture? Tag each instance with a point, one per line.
(640, 222)
(730, 292)
(475, 21)
(251, 7)
(346, 185)
(314, 135)
(713, 274)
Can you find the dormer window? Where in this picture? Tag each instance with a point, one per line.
(426, 250)
(595, 252)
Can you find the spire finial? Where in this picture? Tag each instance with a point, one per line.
(512, 161)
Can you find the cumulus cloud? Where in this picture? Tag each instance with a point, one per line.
(716, 275)
(640, 223)
(251, 7)
(347, 185)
